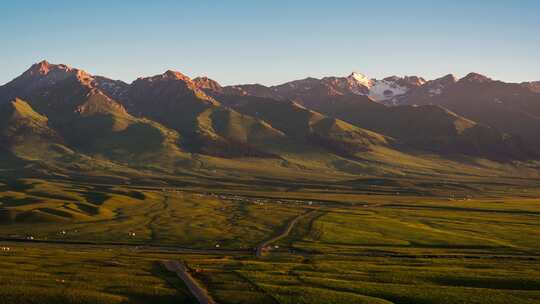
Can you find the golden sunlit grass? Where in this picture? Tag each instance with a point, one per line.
(363, 243)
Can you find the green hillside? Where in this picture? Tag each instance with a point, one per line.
(428, 128)
(167, 126)
(307, 126)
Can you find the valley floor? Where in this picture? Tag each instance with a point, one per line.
(95, 243)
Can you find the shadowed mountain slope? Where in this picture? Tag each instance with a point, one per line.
(308, 126)
(83, 117)
(428, 128)
(175, 101)
(508, 107)
(57, 118)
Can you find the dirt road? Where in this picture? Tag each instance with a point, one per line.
(259, 250)
(118, 245)
(198, 292)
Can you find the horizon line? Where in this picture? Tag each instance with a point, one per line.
(457, 76)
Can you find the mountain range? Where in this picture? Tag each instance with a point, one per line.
(64, 118)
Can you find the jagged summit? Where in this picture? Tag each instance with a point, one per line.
(333, 116)
(446, 79)
(175, 75)
(206, 83)
(41, 67)
(361, 79)
(44, 67)
(169, 75)
(41, 75)
(475, 77)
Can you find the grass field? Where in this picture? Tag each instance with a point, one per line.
(60, 274)
(52, 274)
(113, 214)
(370, 242)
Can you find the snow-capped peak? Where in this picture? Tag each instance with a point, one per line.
(361, 79)
(386, 90)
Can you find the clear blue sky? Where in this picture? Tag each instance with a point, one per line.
(274, 41)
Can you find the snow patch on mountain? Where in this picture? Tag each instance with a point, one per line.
(386, 90)
(378, 90)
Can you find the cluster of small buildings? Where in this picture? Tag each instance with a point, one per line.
(463, 198)
(261, 201)
(172, 190)
(247, 199)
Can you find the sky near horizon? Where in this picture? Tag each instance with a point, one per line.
(271, 42)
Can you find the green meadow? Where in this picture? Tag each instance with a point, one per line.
(374, 241)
